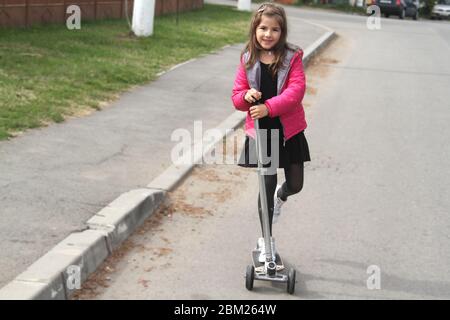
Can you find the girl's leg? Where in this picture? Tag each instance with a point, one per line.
(271, 183)
(294, 181)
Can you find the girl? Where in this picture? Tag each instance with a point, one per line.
(270, 85)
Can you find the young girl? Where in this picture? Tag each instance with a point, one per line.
(270, 85)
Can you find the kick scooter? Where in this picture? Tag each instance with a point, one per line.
(270, 270)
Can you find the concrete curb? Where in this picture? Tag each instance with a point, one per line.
(317, 46)
(61, 271)
(48, 278)
(121, 217)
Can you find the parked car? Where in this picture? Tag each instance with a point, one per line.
(400, 8)
(441, 9)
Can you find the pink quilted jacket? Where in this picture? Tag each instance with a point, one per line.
(287, 104)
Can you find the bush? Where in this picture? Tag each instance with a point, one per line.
(428, 7)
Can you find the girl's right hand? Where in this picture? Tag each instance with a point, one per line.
(252, 95)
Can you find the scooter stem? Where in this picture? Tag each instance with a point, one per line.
(262, 192)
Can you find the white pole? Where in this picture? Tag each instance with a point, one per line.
(143, 16)
(244, 5)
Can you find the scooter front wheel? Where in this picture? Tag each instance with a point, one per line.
(249, 277)
(291, 281)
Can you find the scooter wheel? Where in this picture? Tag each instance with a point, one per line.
(249, 277)
(291, 281)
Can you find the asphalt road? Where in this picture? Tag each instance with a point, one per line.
(375, 193)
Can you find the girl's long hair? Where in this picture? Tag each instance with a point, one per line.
(269, 10)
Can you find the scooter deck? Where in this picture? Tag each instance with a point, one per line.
(259, 267)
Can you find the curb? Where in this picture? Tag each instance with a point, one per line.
(61, 271)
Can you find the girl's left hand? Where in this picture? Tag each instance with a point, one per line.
(258, 111)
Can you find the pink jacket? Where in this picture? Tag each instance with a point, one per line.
(287, 104)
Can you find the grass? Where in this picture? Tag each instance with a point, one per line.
(50, 73)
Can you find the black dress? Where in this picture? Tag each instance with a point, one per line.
(294, 150)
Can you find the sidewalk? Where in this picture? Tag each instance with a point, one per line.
(55, 179)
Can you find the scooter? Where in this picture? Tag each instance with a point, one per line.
(270, 270)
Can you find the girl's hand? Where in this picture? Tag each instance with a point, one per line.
(259, 111)
(252, 95)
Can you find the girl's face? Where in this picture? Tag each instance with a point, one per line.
(268, 32)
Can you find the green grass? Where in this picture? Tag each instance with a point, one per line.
(50, 73)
